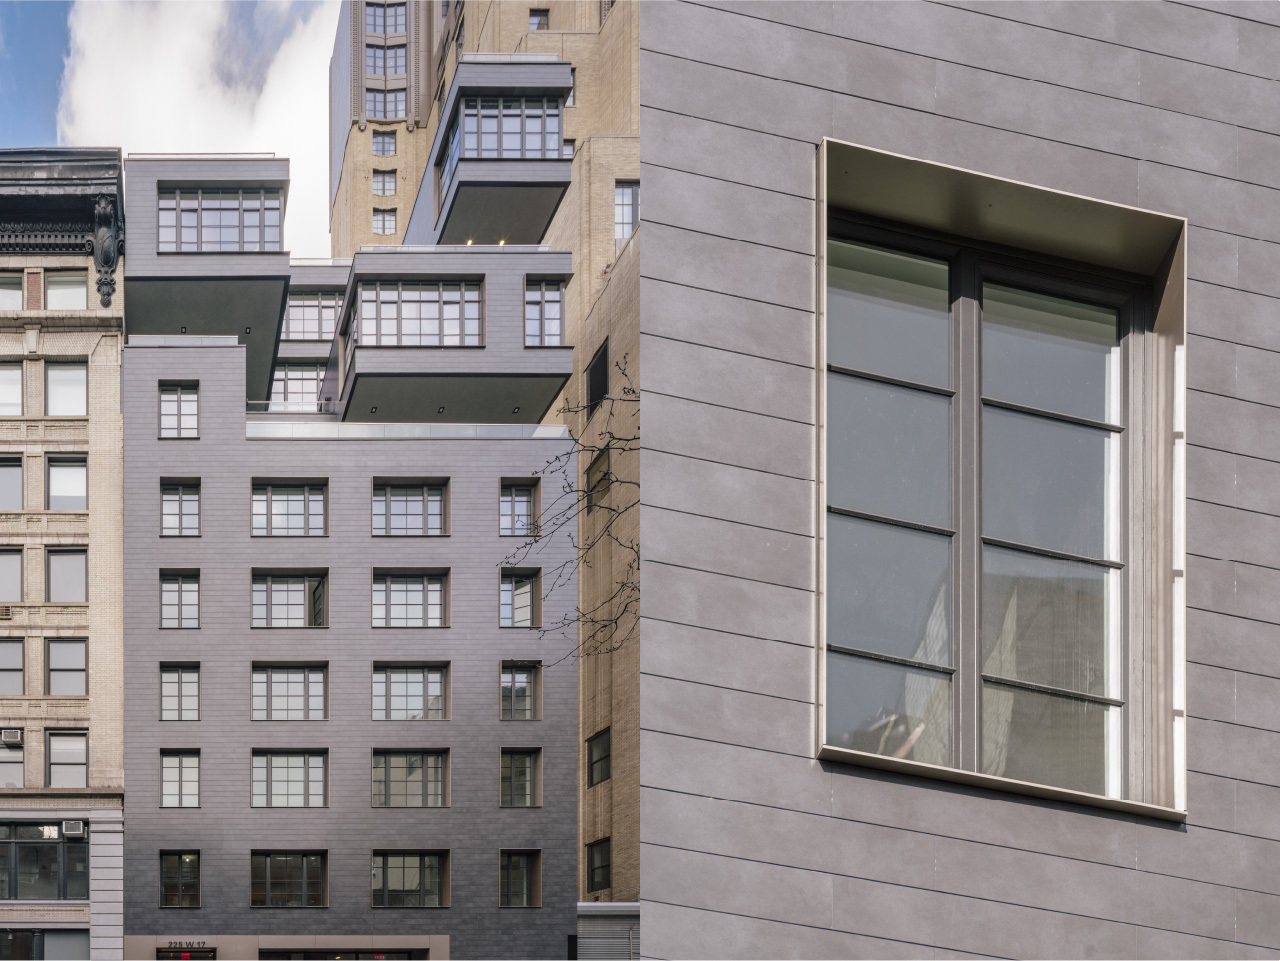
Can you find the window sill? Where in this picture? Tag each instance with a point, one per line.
(409, 907)
(996, 783)
(288, 535)
(192, 437)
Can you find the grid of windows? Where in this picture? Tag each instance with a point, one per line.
(518, 682)
(526, 128)
(11, 385)
(180, 693)
(403, 880)
(66, 390)
(384, 143)
(408, 601)
(68, 674)
(419, 315)
(180, 779)
(179, 510)
(519, 771)
(517, 872)
(412, 779)
(295, 511)
(380, 61)
(515, 600)
(515, 511)
(289, 693)
(626, 208)
(384, 18)
(384, 221)
(406, 511)
(178, 404)
(598, 858)
(291, 780)
(68, 759)
(410, 693)
(598, 749)
(384, 182)
(296, 387)
(543, 320)
(312, 315)
(221, 220)
(384, 104)
(289, 600)
(11, 664)
(180, 600)
(180, 879)
(37, 863)
(287, 879)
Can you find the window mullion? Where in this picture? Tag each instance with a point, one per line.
(966, 495)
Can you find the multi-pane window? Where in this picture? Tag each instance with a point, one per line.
(384, 182)
(68, 667)
(296, 387)
(180, 600)
(518, 693)
(219, 220)
(420, 314)
(66, 290)
(67, 576)
(411, 779)
(10, 291)
(384, 104)
(540, 19)
(67, 390)
(39, 863)
(289, 693)
(289, 780)
(287, 600)
(404, 880)
(287, 879)
(68, 759)
(409, 510)
(626, 208)
(11, 666)
(68, 484)
(10, 390)
(293, 511)
(382, 61)
(312, 315)
(384, 18)
(12, 768)
(180, 879)
(178, 410)
(180, 779)
(515, 510)
(384, 143)
(543, 319)
(983, 374)
(179, 510)
(516, 600)
(519, 779)
(598, 857)
(598, 750)
(409, 693)
(526, 128)
(517, 879)
(180, 693)
(414, 600)
(384, 221)
(11, 498)
(11, 576)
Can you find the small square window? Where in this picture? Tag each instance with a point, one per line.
(66, 290)
(540, 19)
(410, 692)
(384, 143)
(68, 675)
(180, 879)
(598, 758)
(67, 390)
(384, 221)
(384, 182)
(67, 576)
(68, 484)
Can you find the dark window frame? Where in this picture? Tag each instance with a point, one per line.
(599, 757)
(50, 670)
(180, 391)
(426, 670)
(180, 881)
(9, 859)
(270, 669)
(267, 490)
(184, 493)
(304, 881)
(599, 873)
(314, 614)
(425, 869)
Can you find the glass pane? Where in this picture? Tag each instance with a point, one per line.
(68, 391)
(888, 313)
(10, 291)
(11, 390)
(1050, 353)
(38, 871)
(1048, 484)
(68, 487)
(888, 450)
(67, 577)
(10, 487)
(882, 708)
(11, 655)
(1046, 739)
(67, 291)
(1048, 621)
(889, 589)
(10, 576)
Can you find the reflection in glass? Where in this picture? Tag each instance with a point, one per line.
(885, 709)
(1048, 484)
(1050, 739)
(888, 589)
(1050, 353)
(38, 871)
(1048, 621)
(888, 450)
(68, 486)
(888, 313)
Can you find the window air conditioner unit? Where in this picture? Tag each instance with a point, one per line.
(6, 612)
(11, 735)
(73, 829)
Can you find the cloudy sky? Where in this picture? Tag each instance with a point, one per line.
(199, 75)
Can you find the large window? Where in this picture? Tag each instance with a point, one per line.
(515, 510)
(438, 314)
(287, 880)
(413, 600)
(67, 387)
(384, 143)
(68, 667)
(384, 18)
(180, 692)
(289, 511)
(39, 863)
(289, 693)
(519, 691)
(519, 879)
(67, 576)
(543, 319)
(68, 758)
(68, 484)
(408, 510)
(11, 390)
(288, 600)
(517, 600)
(407, 880)
(296, 387)
(540, 19)
(312, 315)
(178, 410)
(179, 600)
(409, 693)
(976, 529)
(519, 781)
(599, 750)
(413, 779)
(180, 779)
(180, 879)
(66, 290)
(384, 104)
(221, 220)
(289, 780)
(501, 128)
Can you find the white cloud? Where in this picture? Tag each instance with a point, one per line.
(176, 77)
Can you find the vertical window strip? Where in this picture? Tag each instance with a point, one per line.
(543, 318)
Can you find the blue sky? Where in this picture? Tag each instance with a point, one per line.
(33, 43)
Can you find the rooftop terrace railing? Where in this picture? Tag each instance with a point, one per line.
(334, 430)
